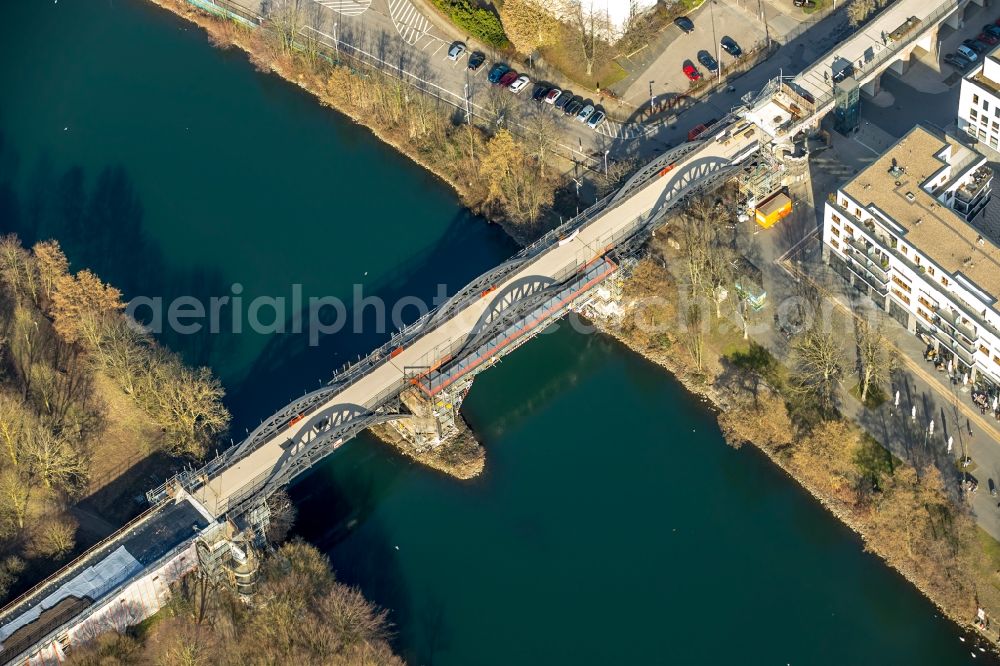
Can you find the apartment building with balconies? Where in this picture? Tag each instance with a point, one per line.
(899, 232)
(979, 104)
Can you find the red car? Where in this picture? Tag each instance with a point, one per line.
(987, 38)
(691, 71)
(508, 78)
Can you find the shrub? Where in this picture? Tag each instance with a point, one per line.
(477, 21)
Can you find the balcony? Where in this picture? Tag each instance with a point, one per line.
(954, 347)
(887, 247)
(952, 337)
(867, 258)
(954, 320)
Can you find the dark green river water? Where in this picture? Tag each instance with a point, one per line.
(612, 524)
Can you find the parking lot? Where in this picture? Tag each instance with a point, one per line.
(666, 73)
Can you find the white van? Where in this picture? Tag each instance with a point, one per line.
(967, 52)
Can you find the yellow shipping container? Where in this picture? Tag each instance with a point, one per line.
(773, 209)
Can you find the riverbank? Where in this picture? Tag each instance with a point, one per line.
(774, 442)
(902, 515)
(494, 174)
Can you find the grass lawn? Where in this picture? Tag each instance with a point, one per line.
(575, 69)
(876, 396)
(991, 548)
(819, 6)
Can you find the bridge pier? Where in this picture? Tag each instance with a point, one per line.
(956, 20)
(873, 87)
(435, 433)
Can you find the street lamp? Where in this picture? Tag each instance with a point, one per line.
(606, 162)
(336, 44)
(718, 56)
(577, 183)
(651, 97)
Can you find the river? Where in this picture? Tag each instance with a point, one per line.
(612, 523)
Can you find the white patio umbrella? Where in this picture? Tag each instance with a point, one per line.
(949, 366)
(965, 379)
(951, 440)
(913, 413)
(930, 428)
(897, 399)
(996, 400)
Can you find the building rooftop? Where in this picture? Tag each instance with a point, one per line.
(895, 185)
(98, 572)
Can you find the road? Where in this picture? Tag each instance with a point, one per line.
(398, 37)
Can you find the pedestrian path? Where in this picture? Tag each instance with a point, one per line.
(409, 22)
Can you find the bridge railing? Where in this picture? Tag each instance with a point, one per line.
(888, 51)
(193, 479)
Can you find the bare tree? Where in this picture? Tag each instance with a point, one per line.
(528, 25)
(187, 404)
(17, 268)
(52, 265)
(818, 367)
(126, 355)
(540, 135)
(859, 11)
(14, 495)
(287, 18)
(874, 361)
(52, 536)
(589, 28)
(615, 177)
(282, 512)
(81, 304)
(15, 423)
(53, 460)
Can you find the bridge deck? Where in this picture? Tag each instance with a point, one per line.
(556, 264)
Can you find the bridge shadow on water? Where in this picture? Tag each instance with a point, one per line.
(289, 364)
(336, 506)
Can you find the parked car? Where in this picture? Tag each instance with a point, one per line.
(508, 78)
(804, 3)
(991, 29)
(539, 93)
(585, 113)
(964, 50)
(988, 39)
(976, 45)
(519, 83)
(684, 23)
(497, 72)
(730, 46)
(573, 107)
(456, 51)
(700, 128)
(563, 99)
(691, 71)
(957, 61)
(706, 59)
(476, 60)
(596, 119)
(552, 96)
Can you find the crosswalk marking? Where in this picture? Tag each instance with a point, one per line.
(615, 130)
(410, 23)
(347, 7)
